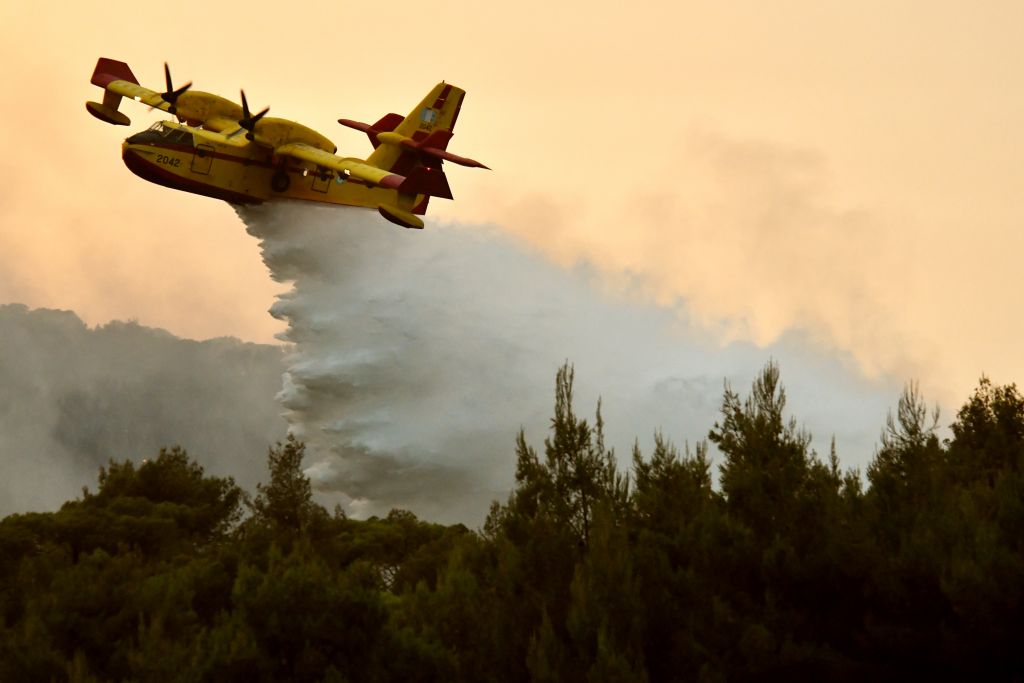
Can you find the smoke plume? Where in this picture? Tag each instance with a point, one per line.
(72, 397)
(417, 356)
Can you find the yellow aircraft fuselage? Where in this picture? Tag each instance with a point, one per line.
(220, 149)
(179, 157)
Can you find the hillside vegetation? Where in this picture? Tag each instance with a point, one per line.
(786, 568)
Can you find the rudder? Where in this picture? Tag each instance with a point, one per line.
(415, 146)
(433, 118)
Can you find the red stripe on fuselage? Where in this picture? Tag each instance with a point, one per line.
(161, 176)
(388, 182)
(231, 158)
(439, 102)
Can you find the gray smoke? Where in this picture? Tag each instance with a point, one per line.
(71, 398)
(414, 358)
(417, 356)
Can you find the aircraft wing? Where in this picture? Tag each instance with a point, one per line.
(222, 124)
(215, 136)
(139, 94)
(356, 168)
(117, 81)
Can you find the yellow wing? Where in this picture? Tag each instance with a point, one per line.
(117, 80)
(212, 112)
(139, 94)
(221, 120)
(357, 168)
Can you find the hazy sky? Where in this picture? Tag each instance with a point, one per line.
(847, 172)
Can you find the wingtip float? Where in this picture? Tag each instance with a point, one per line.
(205, 152)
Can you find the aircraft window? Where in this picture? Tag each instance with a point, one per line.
(159, 132)
(179, 136)
(171, 133)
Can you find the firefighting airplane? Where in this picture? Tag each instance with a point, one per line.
(220, 149)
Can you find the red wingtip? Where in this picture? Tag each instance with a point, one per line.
(109, 70)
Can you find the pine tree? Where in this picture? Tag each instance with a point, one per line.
(286, 503)
(766, 458)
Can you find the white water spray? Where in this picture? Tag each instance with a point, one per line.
(403, 381)
(417, 356)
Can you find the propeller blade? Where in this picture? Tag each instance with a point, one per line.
(171, 95)
(249, 120)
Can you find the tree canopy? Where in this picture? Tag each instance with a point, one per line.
(782, 566)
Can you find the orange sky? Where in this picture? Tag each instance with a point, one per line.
(847, 170)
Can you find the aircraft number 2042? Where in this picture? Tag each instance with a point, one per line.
(170, 161)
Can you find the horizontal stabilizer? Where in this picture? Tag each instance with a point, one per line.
(430, 146)
(386, 124)
(454, 158)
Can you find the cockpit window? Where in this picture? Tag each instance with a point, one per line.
(178, 136)
(161, 132)
(172, 134)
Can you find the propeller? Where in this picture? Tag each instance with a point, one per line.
(249, 120)
(172, 94)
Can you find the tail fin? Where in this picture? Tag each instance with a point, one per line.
(434, 117)
(420, 139)
(416, 147)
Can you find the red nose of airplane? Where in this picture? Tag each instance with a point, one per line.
(136, 159)
(165, 166)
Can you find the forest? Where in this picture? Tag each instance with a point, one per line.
(781, 566)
